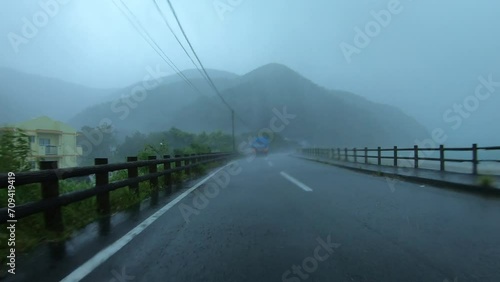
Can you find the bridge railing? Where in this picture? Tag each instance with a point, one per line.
(49, 176)
(415, 156)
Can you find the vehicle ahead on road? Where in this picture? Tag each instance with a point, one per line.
(260, 145)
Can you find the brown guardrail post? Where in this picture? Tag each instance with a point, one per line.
(366, 155)
(395, 155)
(196, 160)
(167, 177)
(441, 157)
(50, 189)
(153, 182)
(187, 163)
(474, 159)
(133, 172)
(379, 155)
(101, 179)
(345, 155)
(355, 155)
(338, 154)
(179, 164)
(415, 155)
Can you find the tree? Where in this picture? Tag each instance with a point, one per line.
(132, 145)
(98, 142)
(154, 150)
(15, 150)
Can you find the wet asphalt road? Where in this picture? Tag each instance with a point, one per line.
(331, 225)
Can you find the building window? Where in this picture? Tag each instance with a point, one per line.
(32, 139)
(44, 141)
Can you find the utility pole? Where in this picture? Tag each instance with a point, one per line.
(234, 140)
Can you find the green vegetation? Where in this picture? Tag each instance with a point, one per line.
(171, 142)
(14, 150)
(31, 231)
(486, 180)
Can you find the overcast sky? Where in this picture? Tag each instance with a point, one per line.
(425, 59)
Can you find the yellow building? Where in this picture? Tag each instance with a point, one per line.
(51, 140)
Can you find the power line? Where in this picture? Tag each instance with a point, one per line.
(210, 81)
(196, 56)
(203, 74)
(147, 37)
(177, 38)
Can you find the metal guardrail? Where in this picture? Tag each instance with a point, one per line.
(49, 176)
(363, 154)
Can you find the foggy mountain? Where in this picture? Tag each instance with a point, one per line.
(153, 109)
(25, 96)
(323, 117)
(223, 79)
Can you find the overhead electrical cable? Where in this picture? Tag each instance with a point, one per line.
(147, 37)
(177, 38)
(196, 56)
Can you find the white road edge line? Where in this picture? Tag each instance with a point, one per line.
(86, 268)
(296, 182)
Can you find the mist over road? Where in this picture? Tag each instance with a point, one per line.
(285, 219)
